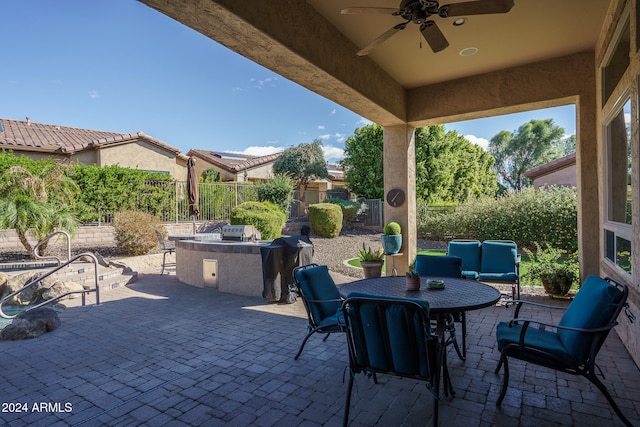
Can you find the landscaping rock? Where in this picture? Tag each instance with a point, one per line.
(59, 287)
(31, 324)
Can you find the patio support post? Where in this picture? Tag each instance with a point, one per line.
(399, 155)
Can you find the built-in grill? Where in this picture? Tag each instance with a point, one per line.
(240, 233)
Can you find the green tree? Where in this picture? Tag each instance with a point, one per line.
(40, 201)
(278, 191)
(302, 164)
(534, 143)
(210, 175)
(448, 167)
(363, 162)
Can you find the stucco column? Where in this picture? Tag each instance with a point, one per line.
(400, 172)
(589, 227)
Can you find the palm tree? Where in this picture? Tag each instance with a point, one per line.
(40, 202)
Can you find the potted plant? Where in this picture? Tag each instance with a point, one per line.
(413, 278)
(392, 238)
(371, 261)
(553, 268)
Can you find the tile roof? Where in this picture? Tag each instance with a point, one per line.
(232, 162)
(26, 135)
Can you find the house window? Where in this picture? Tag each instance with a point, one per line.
(618, 225)
(617, 64)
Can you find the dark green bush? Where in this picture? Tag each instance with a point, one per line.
(136, 232)
(350, 209)
(278, 191)
(547, 215)
(326, 219)
(265, 216)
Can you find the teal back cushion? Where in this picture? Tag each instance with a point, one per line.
(468, 251)
(393, 336)
(592, 308)
(317, 284)
(435, 265)
(499, 257)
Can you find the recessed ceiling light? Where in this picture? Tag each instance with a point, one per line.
(469, 51)
(459, 21)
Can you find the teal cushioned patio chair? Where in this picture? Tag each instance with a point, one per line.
(470, 251)
(321, 299)
(574, 344)
(391, 336)
(446, 266)
(501, 263)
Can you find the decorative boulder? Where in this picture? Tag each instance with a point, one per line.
(31, 324)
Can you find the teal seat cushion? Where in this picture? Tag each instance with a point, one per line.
(470, 274)
(391, 336)
(317, 284)
(470, 252)
(592, 308)
(498, 277)
(499, 257)
(541, 339)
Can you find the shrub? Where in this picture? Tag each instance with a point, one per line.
(326, 219)
(392, 229)
(265, 216)
(278, 191)
(350, 209)
(546, 215)
(136, 232)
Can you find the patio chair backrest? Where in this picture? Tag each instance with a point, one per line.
(317, 288)
(597, 304)
(499, 256)
(438, 266)
(389, 335)
(469, 250)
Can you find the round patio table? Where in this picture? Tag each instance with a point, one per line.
(457, 295)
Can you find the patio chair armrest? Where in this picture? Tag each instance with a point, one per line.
(521, 303)
(526, 322)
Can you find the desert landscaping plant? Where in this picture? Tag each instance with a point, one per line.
(325, 219)
(136, 232)
(265, 216)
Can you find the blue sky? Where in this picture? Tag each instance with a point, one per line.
(119, 66)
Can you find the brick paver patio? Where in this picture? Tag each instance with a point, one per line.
(159, 352)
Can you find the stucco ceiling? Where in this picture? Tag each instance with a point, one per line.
(533, 30)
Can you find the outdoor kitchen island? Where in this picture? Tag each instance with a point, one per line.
(230, 261)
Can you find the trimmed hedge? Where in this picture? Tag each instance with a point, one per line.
(265, 216)
(349, 208)
(547, 215)
(326, 219)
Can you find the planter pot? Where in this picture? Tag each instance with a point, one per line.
(413, 283)
(555, 287)
(391, 244)
(372, 269)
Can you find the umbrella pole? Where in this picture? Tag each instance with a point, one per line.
(194, 226)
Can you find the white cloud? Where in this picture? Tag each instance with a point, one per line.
(93, 94)
(332, 154)
(321, 127)
(363, 122)
(340, 137)
(262, 151)
(324, 137)
(484, 143)
(333, 112)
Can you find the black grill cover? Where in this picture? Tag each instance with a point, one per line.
(278, 261)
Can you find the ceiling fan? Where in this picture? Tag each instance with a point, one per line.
(419, 12)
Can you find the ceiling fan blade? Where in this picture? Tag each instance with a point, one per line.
(363, 10)
(381, 39)
(479, 7)
(432, 34)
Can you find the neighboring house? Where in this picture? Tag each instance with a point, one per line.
(560, 172)
(92, 147)
(234, 166)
